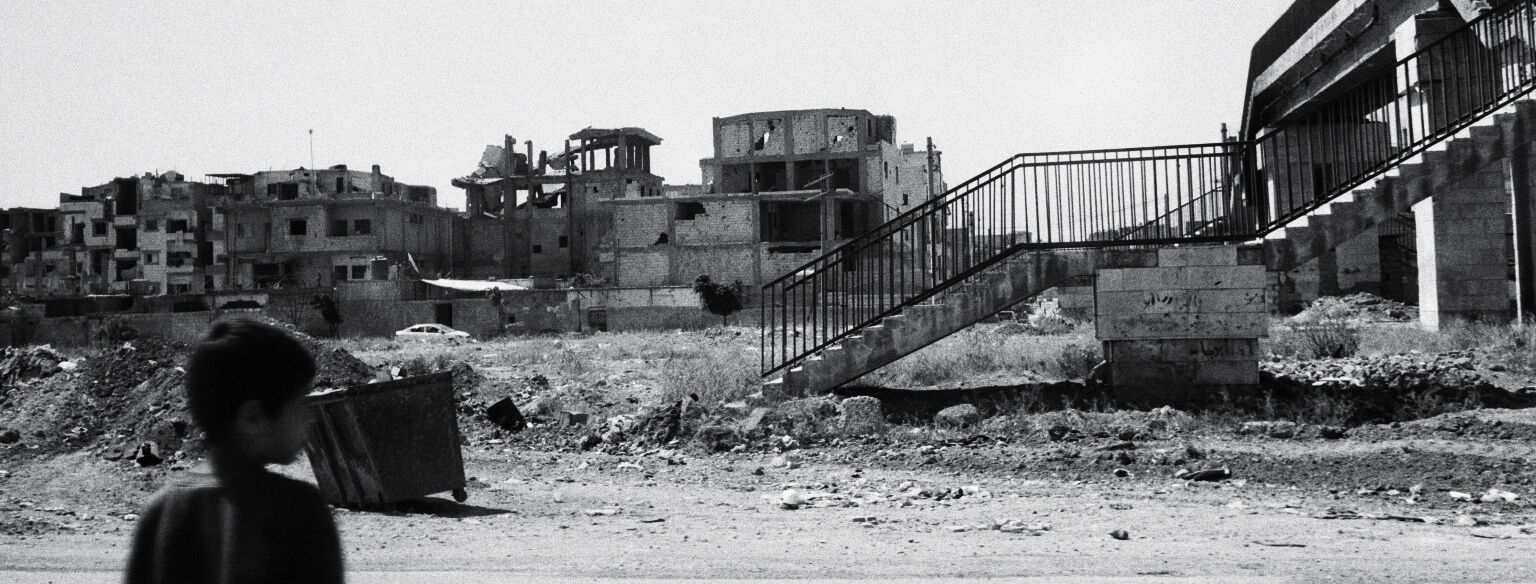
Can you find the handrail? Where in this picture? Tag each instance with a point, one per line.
(1213, 192)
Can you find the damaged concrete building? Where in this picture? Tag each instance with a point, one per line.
(780, 187)
(306, 228)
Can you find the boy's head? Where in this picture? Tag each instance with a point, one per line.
(244, 384)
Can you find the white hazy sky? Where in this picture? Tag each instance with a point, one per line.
(98, 89)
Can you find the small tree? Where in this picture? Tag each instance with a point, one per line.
(328, 311)
(721, 299)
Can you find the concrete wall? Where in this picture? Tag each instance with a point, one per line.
(1174, 332)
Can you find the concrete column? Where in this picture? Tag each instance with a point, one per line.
(1179, 331)
(1463, 241)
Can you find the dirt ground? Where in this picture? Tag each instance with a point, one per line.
(1032, 495)
(1294, 510)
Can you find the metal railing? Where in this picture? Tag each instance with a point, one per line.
(1221, 192)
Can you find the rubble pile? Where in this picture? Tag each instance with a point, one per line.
(1388, 388)
(23, 364)
(1361, 307)
(124, 402)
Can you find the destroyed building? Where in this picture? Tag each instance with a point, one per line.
(543, 217)
(780, 187)
(306, 228)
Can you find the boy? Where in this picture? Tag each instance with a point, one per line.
(240, 523)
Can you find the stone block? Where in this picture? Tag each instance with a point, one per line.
(862, 415)
(1224, 255)
(1184, 326)
(958, 416)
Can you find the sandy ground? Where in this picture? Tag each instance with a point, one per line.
(574, 517)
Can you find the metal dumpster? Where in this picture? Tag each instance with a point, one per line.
(386, 442)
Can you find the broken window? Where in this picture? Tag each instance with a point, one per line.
(564, 242)
(239, 230)
(687, 211)
(904, 200)
(98, 228)
(845, 174)
(790, 221)
(298, 227)
(178, 259)
(176, 226)
(341, 185)
(77, 233)
(359, 272)
(127, 238)
(151, 258)
(415, 219)
(152, 225)
(768, 136)
(338, 273)
(538, 248)
(338, 228)
(283, 191)
(362, 226)
(661, 239)
(772, 176)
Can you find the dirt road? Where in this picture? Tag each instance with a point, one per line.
(574, 517)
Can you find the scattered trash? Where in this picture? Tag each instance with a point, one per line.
(1280, 544)
(505, 415)
(601, 512)
(1120, 534)
(1498, 495)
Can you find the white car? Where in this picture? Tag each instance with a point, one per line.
(430, 332)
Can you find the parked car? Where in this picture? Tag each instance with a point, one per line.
(430, 332)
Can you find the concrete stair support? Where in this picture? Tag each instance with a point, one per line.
(1487, 143)
(1006, 284)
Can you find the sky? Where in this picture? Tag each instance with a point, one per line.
(91, 90)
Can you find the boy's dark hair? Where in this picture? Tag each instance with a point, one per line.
(244, 360)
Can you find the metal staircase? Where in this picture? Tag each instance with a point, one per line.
(1035, 220)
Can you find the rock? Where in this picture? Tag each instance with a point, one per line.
(718, 437)
(148, 454)
(1122, 473)
(1459, 496)
(10, 437)
(757, 471)
(1499, 495)
(862, 415)
(1193, 453)
(1120, 534)
(753, 420)
(505, 415)
(1331, 432)
(1060, 433)
(959, 416)
(590, 441)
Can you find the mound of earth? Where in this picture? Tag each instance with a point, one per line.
(1388, 388)
(113, 401)
(1362, 306)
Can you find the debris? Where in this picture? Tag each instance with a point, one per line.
(653, 520)
(569, 419)
(1279, 544)
(10, 437)
(148, 454)
(1497, 495)
(791, 500)
(1459, 496)
(957, 528)
(601, 512)
(1120, 534)
(505, 415)
(959, 416)
(1210, 475)
(1282, 429)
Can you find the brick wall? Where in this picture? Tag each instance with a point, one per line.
(723, 222)
(722, 264)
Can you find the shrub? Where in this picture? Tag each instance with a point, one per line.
(1333, 338)
(1077, 360)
